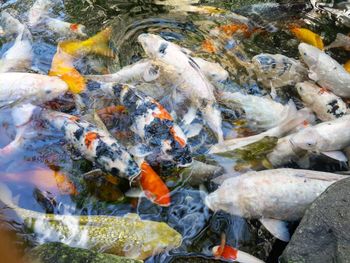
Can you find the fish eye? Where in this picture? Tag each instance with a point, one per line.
(305, 54)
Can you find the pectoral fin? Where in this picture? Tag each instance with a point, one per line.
(277, 228)
(336, 155)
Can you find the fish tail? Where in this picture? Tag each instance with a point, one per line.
(97, 44)
(6, 196)
(153, 186)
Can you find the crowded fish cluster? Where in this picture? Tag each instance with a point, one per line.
(168, 112)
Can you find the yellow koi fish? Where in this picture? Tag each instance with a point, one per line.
(62, 63)
(307, 36)
(347, 66)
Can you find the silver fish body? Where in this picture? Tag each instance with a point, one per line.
(282, 194)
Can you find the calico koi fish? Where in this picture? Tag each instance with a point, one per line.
(195, 85)
(153, 123)
(95, 144)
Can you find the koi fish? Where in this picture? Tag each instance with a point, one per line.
(62, 63)
(261, 112)
(347, 66)
(254, 194)
(307, 36)
(276, 71)
(29, 88)
(19, 57)
(233, 255)
(38, 14)
(97, 44)
(324, 104)
(127, 236)
(326, 71)
(320, 138)
(153, 186)
(62, 67)
(153, 123)
(195, 86)
(64, 28)
(43, 178)
(95, 144)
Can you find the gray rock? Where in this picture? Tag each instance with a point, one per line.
(323, 233)
(61, 253)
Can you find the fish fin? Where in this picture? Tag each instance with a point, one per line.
(245, 257)
(212, 116)
(97, 44)
(313, 76)
(336, 155)
(151, 73)
(192, 130)
(140, 150)
(6, 196)
(190, 116)
(94, 173)
(135, 193)
(22, 114)
(277, 228)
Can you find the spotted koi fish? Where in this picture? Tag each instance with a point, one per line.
(154, 125)
(95, 144)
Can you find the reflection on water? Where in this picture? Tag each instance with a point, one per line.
(47, 179)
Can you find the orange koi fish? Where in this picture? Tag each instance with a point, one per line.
(347, 66)
(307, 36)
(153, 186)
(231, 29)
(43, 178)
(233, 255)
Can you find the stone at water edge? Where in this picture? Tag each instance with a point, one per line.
(323, 233)
(61, 253)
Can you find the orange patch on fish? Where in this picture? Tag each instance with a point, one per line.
(225, 252)
(153, 186)
(181, 141)
(323, 91)
(74, 27)
(307, 36)
(209, 46)
(305, 123)
(163, 114)
(74, 118)
(90, 137)
(44, 179)
(347, 66)
(234, 28)
(111, 110)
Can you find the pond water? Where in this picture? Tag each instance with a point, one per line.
(34, 172)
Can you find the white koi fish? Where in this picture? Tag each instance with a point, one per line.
(273, 196)
(195, 86)
(324, 70)
(327, 138)
(261, 112)
(326, 105)
(16, 88)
